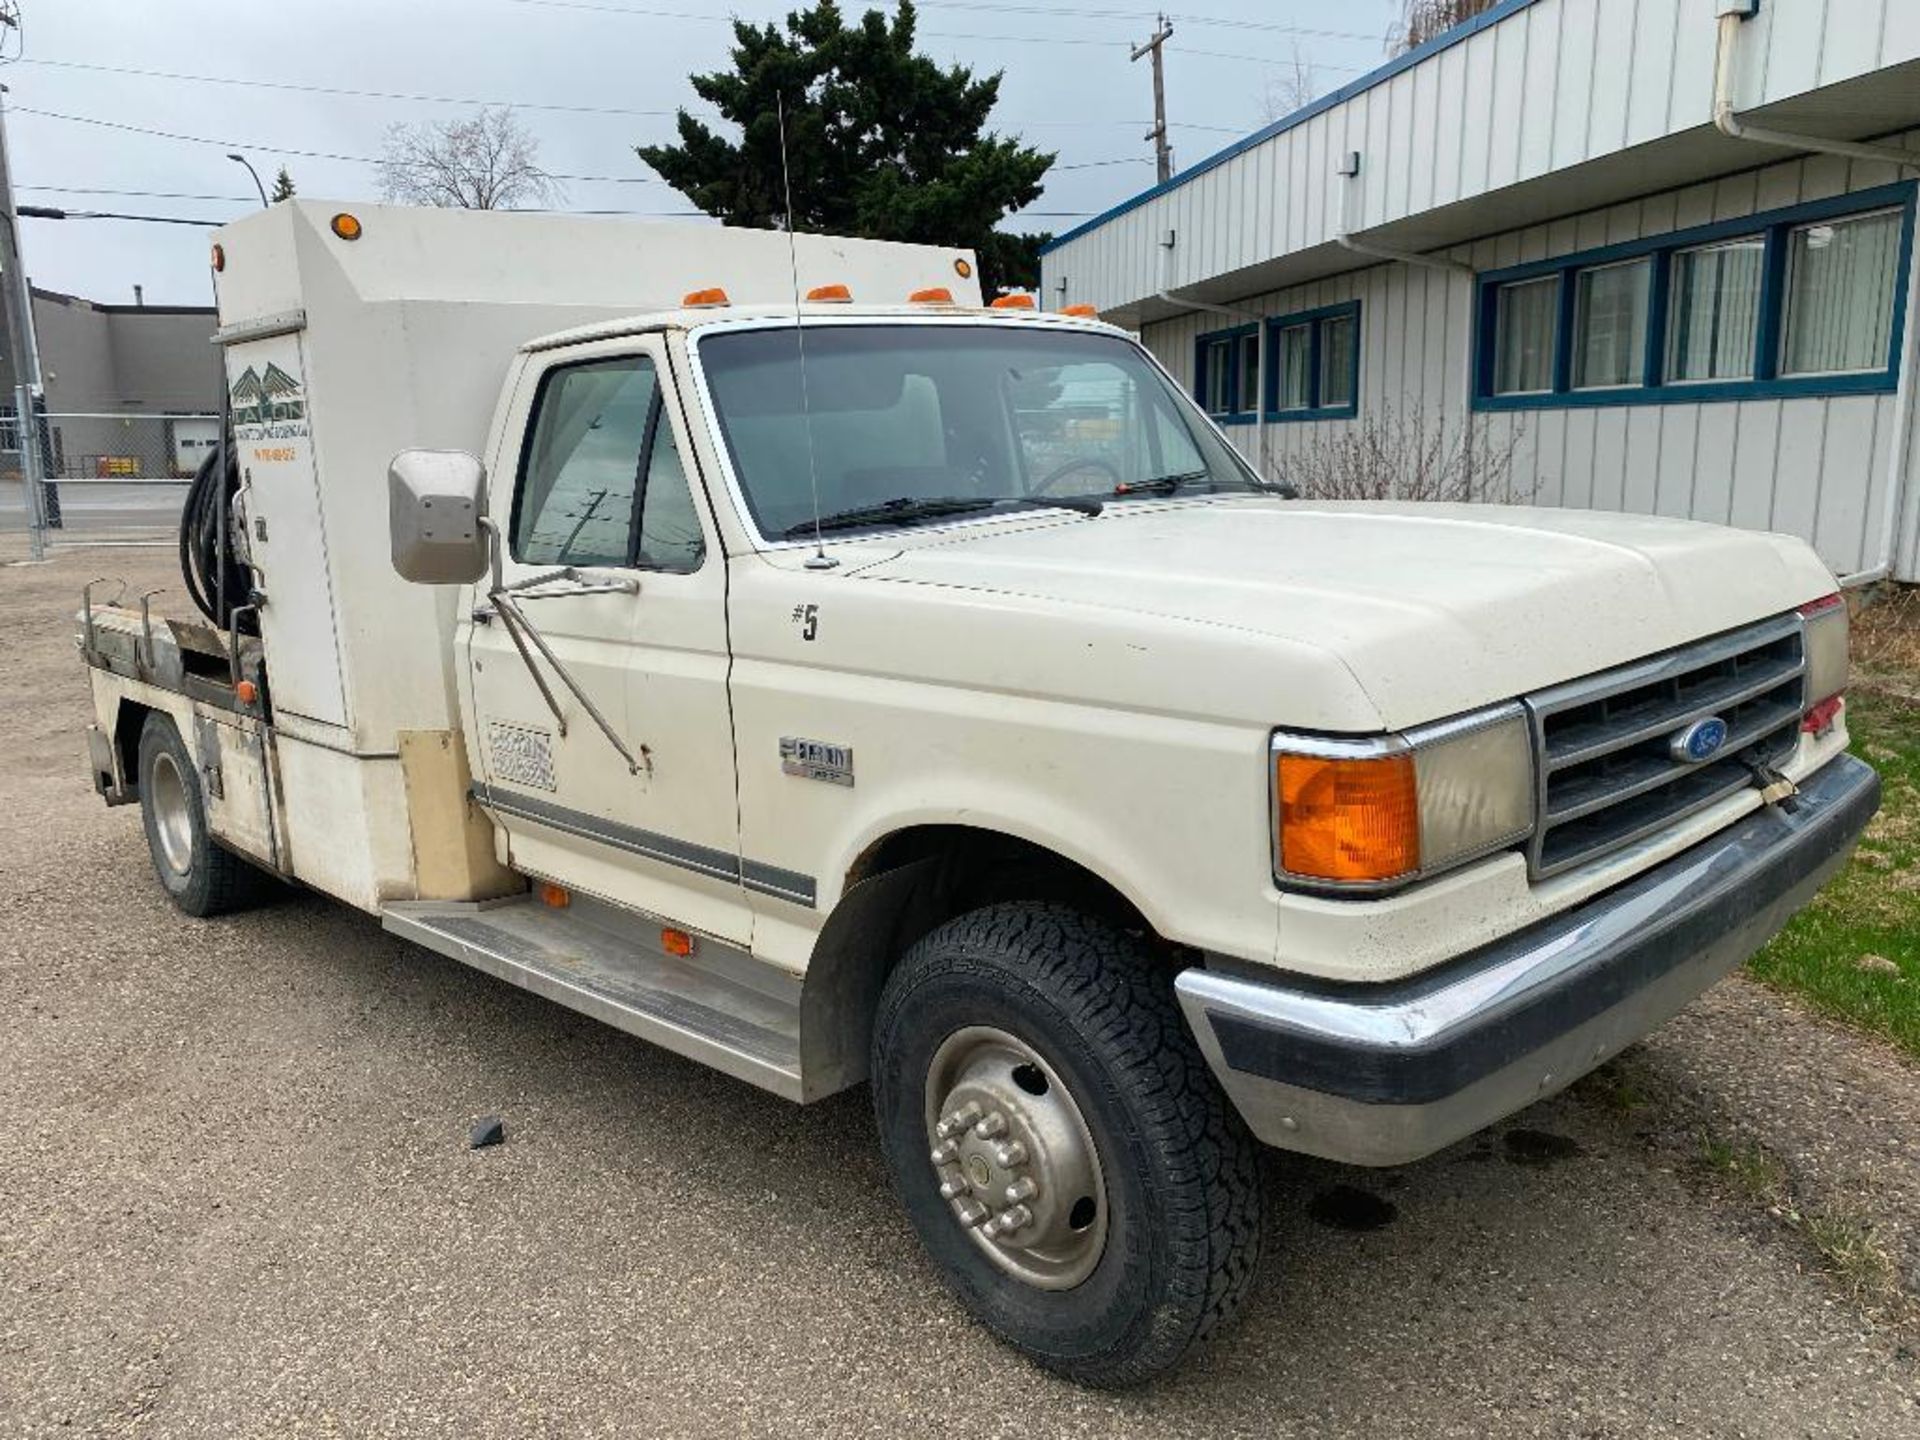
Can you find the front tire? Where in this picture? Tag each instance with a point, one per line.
(202, 878)
(1062, 1149)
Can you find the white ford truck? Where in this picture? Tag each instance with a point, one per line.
(882, 687)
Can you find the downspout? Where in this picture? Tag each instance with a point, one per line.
(1350, 168)
(1729, 123)
(1260, 365)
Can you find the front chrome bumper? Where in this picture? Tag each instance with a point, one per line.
(1384, 1074)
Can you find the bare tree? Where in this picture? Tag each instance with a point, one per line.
(1421, 20)
(1292, 86)
(1399, 455)
(487, 162)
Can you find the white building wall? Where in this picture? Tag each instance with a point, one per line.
(1814, 467)
(1547, 85)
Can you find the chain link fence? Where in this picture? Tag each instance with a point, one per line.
(111, 478)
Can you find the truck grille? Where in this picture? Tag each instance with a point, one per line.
(1606, 777)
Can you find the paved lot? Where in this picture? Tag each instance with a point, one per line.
(236, 1199)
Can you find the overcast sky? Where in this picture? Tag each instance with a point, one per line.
(591, 78)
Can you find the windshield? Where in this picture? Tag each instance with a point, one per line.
(987, 417)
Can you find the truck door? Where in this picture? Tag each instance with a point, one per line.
(591, 475)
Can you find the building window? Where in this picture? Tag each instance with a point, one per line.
(1216, 376)
(1247, 378)
(1339, 361)
(1841, 279)
(1714, 314)
(1610, 324)
(1293, 368)
(1311, 370)
(1526, 312)
(1809, 300)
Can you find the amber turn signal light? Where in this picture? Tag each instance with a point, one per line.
(246, 692)
(676, 942)
(555, 897)
(1347, 819)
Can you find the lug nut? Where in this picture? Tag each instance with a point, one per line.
(995, 1124)
(971, 1213)
(945, 1153)
(959, 1120)
(1013, 1217)
(953, 1189)
(1010, 1155)
(1021, 1189)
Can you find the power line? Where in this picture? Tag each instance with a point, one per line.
(134, 194)
(286, 150)
(340, 90)
(1267, 27)
(307, 89)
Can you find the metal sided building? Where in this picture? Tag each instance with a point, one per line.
(1661, 250)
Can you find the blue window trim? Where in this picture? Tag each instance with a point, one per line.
(1766, 383)
(1270, 386)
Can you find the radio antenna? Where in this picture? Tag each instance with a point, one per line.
(819, 560)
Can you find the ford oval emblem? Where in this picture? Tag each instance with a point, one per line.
(1699, 742)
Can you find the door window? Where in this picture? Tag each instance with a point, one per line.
(601, 482)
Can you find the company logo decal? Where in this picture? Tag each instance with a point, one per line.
(268, 404)
(1699, 742)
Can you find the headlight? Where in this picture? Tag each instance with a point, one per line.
(1377, 812)
(1825, 623)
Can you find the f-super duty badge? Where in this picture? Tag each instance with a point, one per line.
(816, 760)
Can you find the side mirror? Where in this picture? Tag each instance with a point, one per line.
(436, 501)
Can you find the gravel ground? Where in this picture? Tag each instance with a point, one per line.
(236, 1199)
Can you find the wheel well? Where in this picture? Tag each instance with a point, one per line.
(127, 725)
(979, 867)
(901, 888)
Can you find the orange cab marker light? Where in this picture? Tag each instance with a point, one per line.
(962, 268)
(346, 226)
(556, 897)
(1083, 312)
(932, 295)
(246, 692)
(700, 299)
(1348, 819)
(830, 294)
(676, 942)
(219, 258)
(1012, 302)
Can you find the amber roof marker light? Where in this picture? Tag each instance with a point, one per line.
(830, 295)
(704, 299)
(345, 225)
(1012, 302)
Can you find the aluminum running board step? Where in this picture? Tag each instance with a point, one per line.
(720, 1006)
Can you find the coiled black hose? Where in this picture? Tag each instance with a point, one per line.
(210, 494)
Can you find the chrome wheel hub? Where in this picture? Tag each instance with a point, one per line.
(172, 814)
(1014, 1158)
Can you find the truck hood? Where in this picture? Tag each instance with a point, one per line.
(1434, 609)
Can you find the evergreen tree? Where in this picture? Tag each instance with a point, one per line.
(883, 143)
(282, 187)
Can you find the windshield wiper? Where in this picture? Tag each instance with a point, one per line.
(1160, 484)
(908, 510)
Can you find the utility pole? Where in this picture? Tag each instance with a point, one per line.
(1162, 152)
(25, 364)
